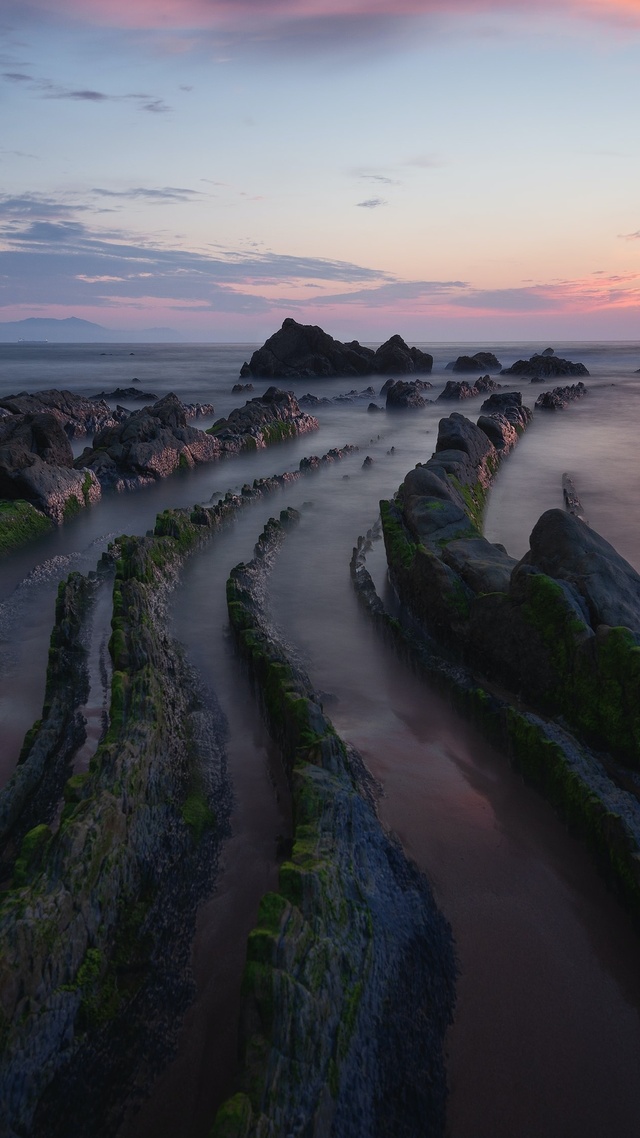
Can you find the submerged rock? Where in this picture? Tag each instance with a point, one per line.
(299, 351)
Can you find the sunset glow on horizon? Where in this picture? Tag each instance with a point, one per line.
(464, 170)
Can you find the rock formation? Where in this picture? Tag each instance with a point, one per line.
(561, 627)
(36, 466)
(403, 394)
(560, 397)
(302, 351)
(267, 419)
(149, 444)
(541, 367)
(481, 361)
(462, 390)
(348, 985)
(78, 415)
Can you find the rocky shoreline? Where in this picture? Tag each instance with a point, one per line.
(349, 980)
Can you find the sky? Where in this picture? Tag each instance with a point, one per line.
(443, 169)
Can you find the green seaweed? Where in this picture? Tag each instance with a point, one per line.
(20, 523)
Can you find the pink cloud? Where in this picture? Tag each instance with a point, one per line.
(165, 15)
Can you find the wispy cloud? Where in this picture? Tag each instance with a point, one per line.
(46, 89)
(152, 194)
(372, 203)
(631, 236)
(54, 254)
(379, 179)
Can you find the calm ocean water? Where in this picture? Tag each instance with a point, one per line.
(547, 1029)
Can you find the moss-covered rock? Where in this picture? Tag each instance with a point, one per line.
(20, 523)
(351, 939)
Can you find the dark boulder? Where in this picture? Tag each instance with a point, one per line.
(40, 434)
(541, 367)
(461, 389)
(36, 464)
(481, 361)
(565, 548)
(403, 394)
(374, 407)
(560, 397)
(508, 404)
(397, 357)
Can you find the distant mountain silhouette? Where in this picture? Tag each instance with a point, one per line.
(73, 330)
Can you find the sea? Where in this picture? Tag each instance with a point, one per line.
(546, 1035)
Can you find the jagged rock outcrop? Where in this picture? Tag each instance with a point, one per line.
(301, 351)
(481, 361)
(460, 389)
(36, 465)
(348, 985)
(150, 444)
(269, 418)
(403, 394)
(541, 367)
(395, 356)
(560, 397)
(78, 414)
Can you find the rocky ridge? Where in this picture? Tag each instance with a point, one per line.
(559, 629)
(98, 907)
(349, 976)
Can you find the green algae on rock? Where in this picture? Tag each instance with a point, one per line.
(20, 522)
(348, 986)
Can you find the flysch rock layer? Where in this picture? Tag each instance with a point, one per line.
(99, 901)
(349, 980)
(559, 630)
